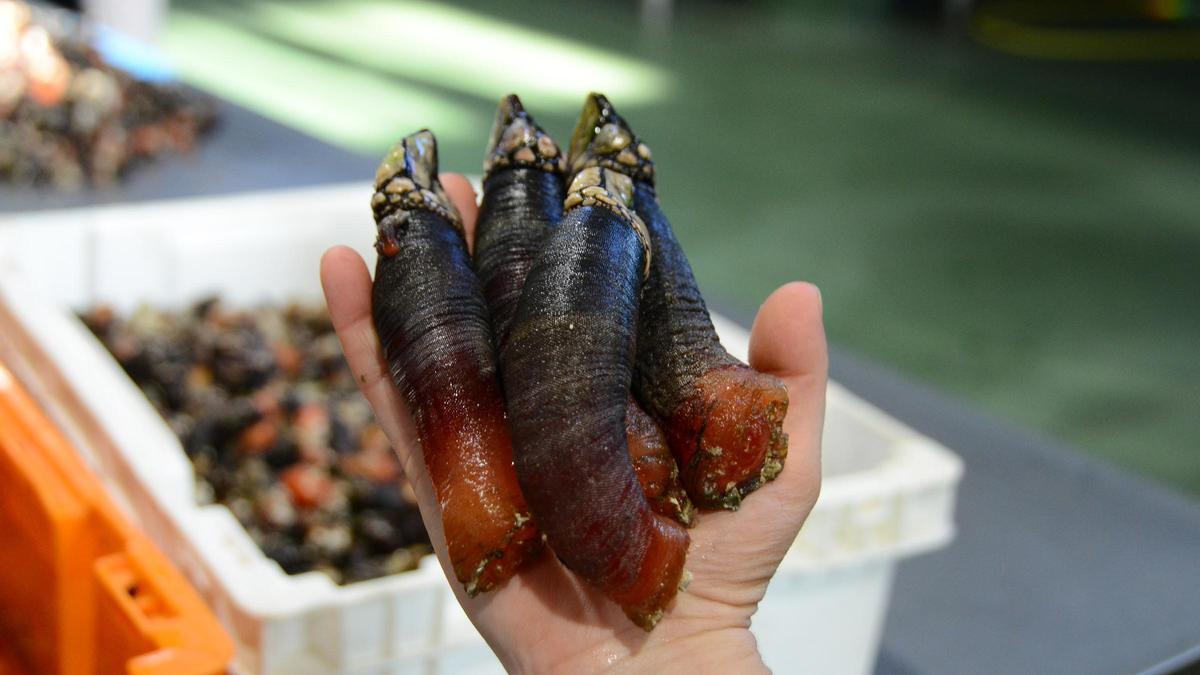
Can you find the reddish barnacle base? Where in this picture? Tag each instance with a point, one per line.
(468, 452)
(729, 433)
(653, 584)
(655, 466)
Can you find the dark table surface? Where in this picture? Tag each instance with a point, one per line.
(1062, 564)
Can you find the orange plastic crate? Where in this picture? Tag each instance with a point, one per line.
(82, 591)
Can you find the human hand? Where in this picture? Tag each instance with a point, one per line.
(546, 619)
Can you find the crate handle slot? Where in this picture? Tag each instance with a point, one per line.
(133, 592)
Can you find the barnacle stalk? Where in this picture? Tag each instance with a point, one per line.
(566, 367)
(723, 420)
(433, 325)
(522, 204)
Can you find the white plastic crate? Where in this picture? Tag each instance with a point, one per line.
(887, 492)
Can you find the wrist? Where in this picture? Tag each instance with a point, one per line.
(730, 650)
(727, 650)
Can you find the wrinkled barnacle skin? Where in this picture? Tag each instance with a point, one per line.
(522, 204)
(722, 419)
(433, 326)
(566, 369)
(655, 466)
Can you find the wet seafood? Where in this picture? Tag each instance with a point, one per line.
(522, 203)
(67, 118)
(723, 420)
(567, 365)
(433, 324)
(272, 420)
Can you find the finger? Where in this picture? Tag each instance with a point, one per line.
(463, 196)
(788, 340)
(347, 286)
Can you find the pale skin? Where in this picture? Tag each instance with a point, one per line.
(545, 619)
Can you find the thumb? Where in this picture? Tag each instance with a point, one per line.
(788, 336)
(788, 341)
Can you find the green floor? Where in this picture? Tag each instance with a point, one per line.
(1023, 234)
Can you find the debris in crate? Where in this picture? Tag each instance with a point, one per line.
(277, 431)
(68, 118)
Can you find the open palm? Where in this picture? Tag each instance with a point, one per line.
(546, 619)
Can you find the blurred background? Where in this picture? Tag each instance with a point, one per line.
(998, 200)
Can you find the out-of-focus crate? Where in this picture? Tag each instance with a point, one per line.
(81, 590)
(888, 492)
